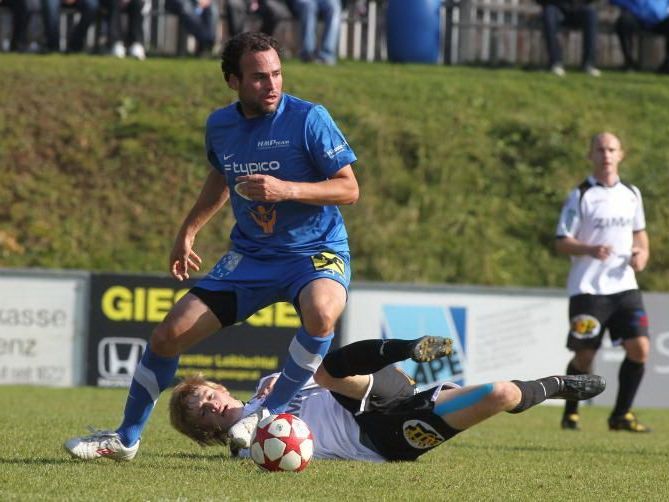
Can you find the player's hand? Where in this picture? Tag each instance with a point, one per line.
(639, 259)
(264, 188)
(182, 258)
(267, 387)
(600, 252)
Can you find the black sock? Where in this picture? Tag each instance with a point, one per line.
(535, 392)
(366, 357)
(629, 378)
(571, 407)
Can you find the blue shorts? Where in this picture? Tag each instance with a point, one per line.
(258, 283)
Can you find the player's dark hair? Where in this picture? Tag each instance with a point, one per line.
(181, 417)
(244, 42)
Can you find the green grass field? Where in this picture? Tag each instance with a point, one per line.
(510, 457)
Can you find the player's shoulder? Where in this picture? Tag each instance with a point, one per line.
(309, 109)
(629, 186)
(226, 115)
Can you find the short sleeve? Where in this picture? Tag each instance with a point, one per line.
(639, 215)
(570, 216)
(209, 150)
(326, 144)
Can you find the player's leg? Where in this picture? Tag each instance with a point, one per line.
(188, 322)
(318, 284)
(321, 303)
(630, 323)
(343, 370)
(465, 407)
(587, 322)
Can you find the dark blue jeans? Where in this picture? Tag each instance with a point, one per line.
(76, 39)
(201, 23)
(584, 17)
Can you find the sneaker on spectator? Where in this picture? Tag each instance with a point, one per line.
(118, 50)
(558, 70)
(592, 71)
(137, 51)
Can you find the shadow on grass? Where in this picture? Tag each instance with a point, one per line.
(35, 461)
(552, 449)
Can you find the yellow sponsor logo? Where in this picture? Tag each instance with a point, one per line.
(139, 304)
(229, 361)
(328, 261)
(421, 435)
(279, 315)
(120, 303)
(585, 326)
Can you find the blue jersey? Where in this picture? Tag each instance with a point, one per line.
(298, 142)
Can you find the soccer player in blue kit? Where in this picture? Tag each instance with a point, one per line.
(285, 167)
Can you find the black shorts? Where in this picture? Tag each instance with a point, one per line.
(623, 314)
(394, 420)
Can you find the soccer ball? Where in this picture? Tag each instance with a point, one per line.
(282, 442)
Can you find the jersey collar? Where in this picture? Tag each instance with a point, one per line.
(594, 182)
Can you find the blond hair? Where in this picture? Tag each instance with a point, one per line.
(182, 417)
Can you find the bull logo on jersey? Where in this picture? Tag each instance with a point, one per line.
(421, 435)
(585, 326)
(265, 218)
(328, 261)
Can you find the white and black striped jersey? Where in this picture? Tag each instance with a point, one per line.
(599, 215)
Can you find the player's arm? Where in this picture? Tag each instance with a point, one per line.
(640, 250)
(340, 189)
(573, 247)
(213, 195)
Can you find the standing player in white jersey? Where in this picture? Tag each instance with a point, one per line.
(362, 408)
(285, 166)
(602, 227)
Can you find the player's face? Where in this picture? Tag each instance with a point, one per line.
(214, 409)
(259, 87)
(605, 154)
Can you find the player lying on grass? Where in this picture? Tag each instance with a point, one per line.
(360, 407)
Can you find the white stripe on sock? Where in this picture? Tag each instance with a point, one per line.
(147, 379)
(303, 358)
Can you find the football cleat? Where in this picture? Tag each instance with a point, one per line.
(579, 387)
(100, 444)
(627, 422)
(570, 422)
(429, 348)
(240, 432)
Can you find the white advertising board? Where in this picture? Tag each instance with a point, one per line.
(41, 328)
(498, 334)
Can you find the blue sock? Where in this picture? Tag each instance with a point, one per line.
(304, 357)
(153, 374)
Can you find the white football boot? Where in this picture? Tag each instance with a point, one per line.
(241, 432)
(100, 444)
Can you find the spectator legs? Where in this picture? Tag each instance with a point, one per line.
(51, 20)
(589, 19)
(88, 10)
(331, 11)
(552, 18)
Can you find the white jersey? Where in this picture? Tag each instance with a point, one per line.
(336, 433)
(607, 216)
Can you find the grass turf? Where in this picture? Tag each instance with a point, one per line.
(519, 457)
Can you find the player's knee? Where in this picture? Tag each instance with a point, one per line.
(319, 322)
(165, 340)
(322, 377)
(504, 395)
(639, 350)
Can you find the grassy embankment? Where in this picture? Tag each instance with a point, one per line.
(462, 170)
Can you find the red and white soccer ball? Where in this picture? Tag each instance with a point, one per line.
(282, 442)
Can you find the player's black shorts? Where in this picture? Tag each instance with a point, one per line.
(623, 314)
(394, 420)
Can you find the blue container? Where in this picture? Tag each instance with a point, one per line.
(413, 31)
